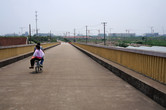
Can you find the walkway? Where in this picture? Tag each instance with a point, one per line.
(70, 81)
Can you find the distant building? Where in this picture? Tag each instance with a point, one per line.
(14, 34)
(44, 34)
(11, 35)
(122, 34)
(80, 35)
(164, 35)
(25, 34)
(102, 35)
(151, 34)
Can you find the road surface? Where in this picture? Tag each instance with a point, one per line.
(70, 81)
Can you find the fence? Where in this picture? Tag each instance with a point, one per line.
(151, 64)
(12, 51)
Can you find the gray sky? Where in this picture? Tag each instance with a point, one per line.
(62, 16)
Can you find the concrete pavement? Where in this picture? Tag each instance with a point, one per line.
(70, 81)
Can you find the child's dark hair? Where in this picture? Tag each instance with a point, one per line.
(38, 47)
(38, 43)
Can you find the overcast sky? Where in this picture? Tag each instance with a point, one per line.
(62, 16)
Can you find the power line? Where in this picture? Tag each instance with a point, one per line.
(94, 25)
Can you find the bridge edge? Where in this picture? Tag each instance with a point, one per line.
(20, 57)
(156, 95)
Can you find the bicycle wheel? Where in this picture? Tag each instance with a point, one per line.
(37, 66)
(36, 69)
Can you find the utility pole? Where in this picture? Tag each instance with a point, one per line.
(66, 34)
(74, 35)
(127, 31)
(152, 29)
(69, 34)
(22, 28)
(86, 34)
(50, 34)
(163, 30)
(110, 34)
(110, 31)
(99, 32)
(36, 24)
(29, 34)
(89, 32)
(104, 23)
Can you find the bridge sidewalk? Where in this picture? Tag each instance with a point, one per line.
(70, 81)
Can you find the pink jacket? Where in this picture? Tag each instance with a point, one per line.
(38, 54)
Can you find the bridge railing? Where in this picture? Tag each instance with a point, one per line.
(12, 51)
(149, 63)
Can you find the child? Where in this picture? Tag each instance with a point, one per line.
(37, 55)
(42, 60)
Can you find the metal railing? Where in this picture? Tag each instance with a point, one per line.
(12, 51)
(151, 64)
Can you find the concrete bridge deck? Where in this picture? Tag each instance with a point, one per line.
(70, 81)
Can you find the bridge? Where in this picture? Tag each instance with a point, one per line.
(73, 81)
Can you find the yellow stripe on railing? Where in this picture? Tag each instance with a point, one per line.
(12, 51)
(151, 64)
